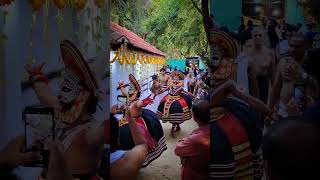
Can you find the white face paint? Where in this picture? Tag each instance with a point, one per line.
(215, 57)
(69, 89)
(132, 89)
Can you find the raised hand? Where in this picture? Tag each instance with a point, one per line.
(12, 155)
(34, 70)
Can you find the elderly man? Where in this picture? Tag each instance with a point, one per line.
(289, 74)
(263, 64)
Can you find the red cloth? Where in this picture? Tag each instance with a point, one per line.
(107, 132)
(195, 153)
(151, 143)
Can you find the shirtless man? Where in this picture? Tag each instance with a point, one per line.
(128, 163)
(164, 78)
(289, 73)
(263, 64)
(156, 86)
(191, 82)
(201, 89)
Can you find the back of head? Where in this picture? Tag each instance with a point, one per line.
(201, 111)
(290, 149)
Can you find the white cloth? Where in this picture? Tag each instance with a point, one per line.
(283, 47)
(116, 155)
(242, 62)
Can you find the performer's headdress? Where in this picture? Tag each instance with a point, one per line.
(78, 86)
(224, 50)
(176, 82)
(177, 73)
(135, 88)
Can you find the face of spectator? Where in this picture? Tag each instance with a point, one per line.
(297, 47)
(248, 46)
(257, 37)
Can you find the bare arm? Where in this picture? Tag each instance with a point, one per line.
(130, 163)
(45, 95)
(229, 87)
(276, 89)
(135, 132)
(195, 89)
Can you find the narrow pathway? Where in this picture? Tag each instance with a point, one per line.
(168, 165)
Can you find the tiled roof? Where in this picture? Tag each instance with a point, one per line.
(134, 39)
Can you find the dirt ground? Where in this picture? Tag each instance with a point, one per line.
(168, 165)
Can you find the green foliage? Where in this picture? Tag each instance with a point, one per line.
(173, 26)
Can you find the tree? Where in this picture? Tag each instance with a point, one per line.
(175, 27)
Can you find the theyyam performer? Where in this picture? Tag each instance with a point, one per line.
(176, 106)
(147, 121)
(82, 136)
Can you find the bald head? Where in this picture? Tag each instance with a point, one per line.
(201, 111)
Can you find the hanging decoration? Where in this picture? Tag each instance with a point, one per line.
(60, 4)
(36, 4)
(60, 20)
(5, 2)
(123, 56)
(79, 4)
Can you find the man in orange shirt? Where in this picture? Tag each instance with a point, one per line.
(194, 150)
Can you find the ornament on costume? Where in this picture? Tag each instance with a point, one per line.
(5, 2)
(60, 4)
(224, 50)
(36, 4)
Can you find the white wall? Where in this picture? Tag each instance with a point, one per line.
(14, 55)
(121, 72)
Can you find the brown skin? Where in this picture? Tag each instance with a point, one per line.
(12, 155)
(83, 155)
(289, 72)
(229, 87)
(156, 86)
(263, 59)
(164, 78)
(132, 161)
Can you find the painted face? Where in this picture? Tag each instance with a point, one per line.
(215, 57)
(132, 89)
(70, 89)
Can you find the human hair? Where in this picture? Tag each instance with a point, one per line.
(154, 77)
(250, 23)
(162, 70)
(201, 111)
(290, 149)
